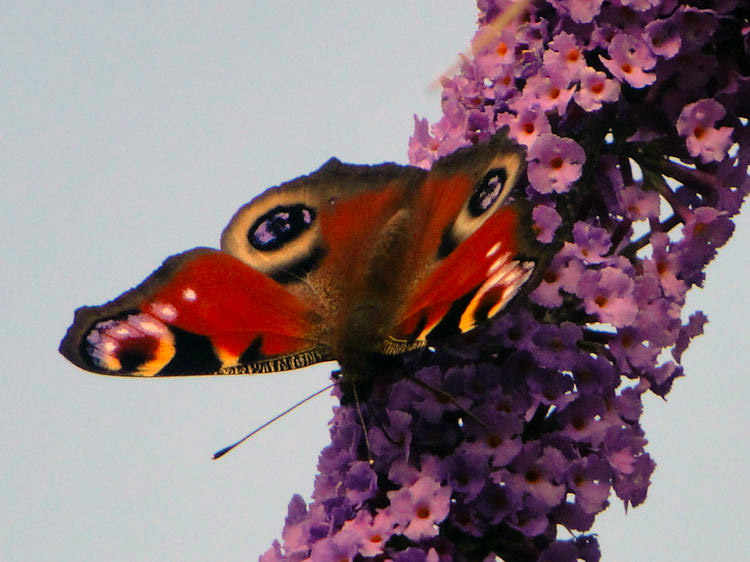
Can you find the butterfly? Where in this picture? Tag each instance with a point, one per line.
(351, 263)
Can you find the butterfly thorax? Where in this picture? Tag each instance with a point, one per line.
(358, 342)
(365, 321)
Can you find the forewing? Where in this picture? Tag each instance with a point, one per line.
(319, 224)
(202, 312)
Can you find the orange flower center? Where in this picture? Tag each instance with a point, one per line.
(423, 512)
(494, 441)
(533, 475)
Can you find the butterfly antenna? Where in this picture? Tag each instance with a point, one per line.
(220, 453)
(370, 460)
(440, 393)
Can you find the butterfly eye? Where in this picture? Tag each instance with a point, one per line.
(488, 191)
(279, 226)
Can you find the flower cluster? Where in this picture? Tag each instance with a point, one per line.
(634, 114)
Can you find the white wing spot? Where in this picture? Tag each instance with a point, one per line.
(502, 261)
(163, 311)
(492, 251)
(189, 295)
(148, 325)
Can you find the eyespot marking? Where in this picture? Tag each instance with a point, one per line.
(136, 343)
(280, 225)
(488, 191)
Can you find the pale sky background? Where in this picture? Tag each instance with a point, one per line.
(130, 134)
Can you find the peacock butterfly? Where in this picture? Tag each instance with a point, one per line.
(349, 263)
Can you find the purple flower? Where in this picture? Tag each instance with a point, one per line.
(565, 56)
(584, 420)
(360, 482)
(497, 438)
(635, 469)
(556, 345)
(592, 243)
(589, 479)
(446, 137)
(608, 294)
(467, 473)
(630, 59)
(595, 89)
(537, 472)
(392, 440)
(554, 163)
(594, 375)
(580, 11)
(340, 547)
(493, 48)
(419, 507)
(638, 204)
(526, 125)
(563, 274)
(549, 91)
(370, 533)
(696, 122)
(496, 502)
(705, 230)
(546, 221)
(693, 328)
(663, 36)
(630, 351)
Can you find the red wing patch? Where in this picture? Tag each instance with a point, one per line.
(482, 274)
(202, 312)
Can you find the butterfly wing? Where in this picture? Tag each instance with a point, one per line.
(476, 248)
(202, 312)
(336, 215)
(271, 300)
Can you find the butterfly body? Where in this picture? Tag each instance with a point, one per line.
(352, 263)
